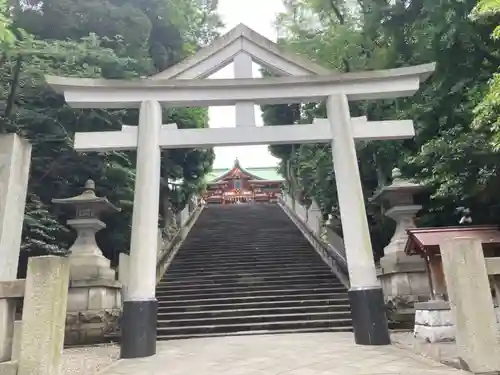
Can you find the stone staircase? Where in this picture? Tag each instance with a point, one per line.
(246, 269)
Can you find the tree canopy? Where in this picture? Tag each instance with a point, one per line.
(86, 38)
(456, 113)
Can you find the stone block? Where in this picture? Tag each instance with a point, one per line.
(93, 311)
(12, 289)
(90, 327)
(8, 368)
(436, 318)
(400, 262)
(16, 340)
(472, 306)
(405, 282)
(44, 315)
(435, 334)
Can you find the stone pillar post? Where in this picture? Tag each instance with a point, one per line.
(403, 277)
(471, 304)
(366, 296)
(44, 314)
(15, 158)
(315, 218)
(140, 308)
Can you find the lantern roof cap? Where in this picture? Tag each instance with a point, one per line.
(399, 184)
(88, 197)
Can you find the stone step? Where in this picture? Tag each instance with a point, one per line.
(264, 276)
(250, 283)
(210, 300)
(168, 295)
(339, 303)
(250, 333)
(164, 314)
(248, 270)
(223, 245)
(209, 289)
(256, 326)
(250, 319)
(195, 257)
(268, 268)
(249, 264)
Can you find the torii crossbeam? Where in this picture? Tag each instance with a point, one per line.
(172, 138)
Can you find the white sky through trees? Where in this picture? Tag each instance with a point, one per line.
(259, 15)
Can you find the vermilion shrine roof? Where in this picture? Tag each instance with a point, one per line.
(264, 174)
(426, 241)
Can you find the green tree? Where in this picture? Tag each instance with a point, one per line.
(453, 158)
(111, 39)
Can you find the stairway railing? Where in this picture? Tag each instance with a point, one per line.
(167, 253)
(331, 255)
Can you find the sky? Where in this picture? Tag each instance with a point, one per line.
(259, 15)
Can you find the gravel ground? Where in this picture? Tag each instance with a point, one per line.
(90, 359)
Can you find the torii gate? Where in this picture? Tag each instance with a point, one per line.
(300, 81)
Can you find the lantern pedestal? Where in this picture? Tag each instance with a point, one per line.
(86, 259)
(403, 277)
(94, 298)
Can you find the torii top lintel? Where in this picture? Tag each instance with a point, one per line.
(242, 39)
(300, 81)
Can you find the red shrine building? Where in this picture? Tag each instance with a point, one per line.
(240, 185)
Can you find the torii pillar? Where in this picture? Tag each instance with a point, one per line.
(138, 325)
(365, 295)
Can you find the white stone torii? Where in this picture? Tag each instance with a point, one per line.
(301, 81)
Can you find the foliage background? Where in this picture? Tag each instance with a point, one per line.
(455, 153)
(88, 38)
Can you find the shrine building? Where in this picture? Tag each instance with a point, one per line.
(240, 185)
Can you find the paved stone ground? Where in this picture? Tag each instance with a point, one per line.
(300, 354)
(89, 360)
(444, 352)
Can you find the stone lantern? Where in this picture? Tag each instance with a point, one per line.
(87, 261)
(94, 298)
(403, 277)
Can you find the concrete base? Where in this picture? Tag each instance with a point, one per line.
(404, 282)
(94, 309)
(434, 321)
(369, 317)
(138, 327)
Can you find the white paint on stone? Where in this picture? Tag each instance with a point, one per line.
(99, 93)
(144, 241)
(362, 273)
(318, 132)
(435, 334)
(241, 39)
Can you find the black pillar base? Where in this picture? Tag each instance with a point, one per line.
(369, 317)
(138, 329)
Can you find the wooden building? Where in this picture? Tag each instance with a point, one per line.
(240, 185)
